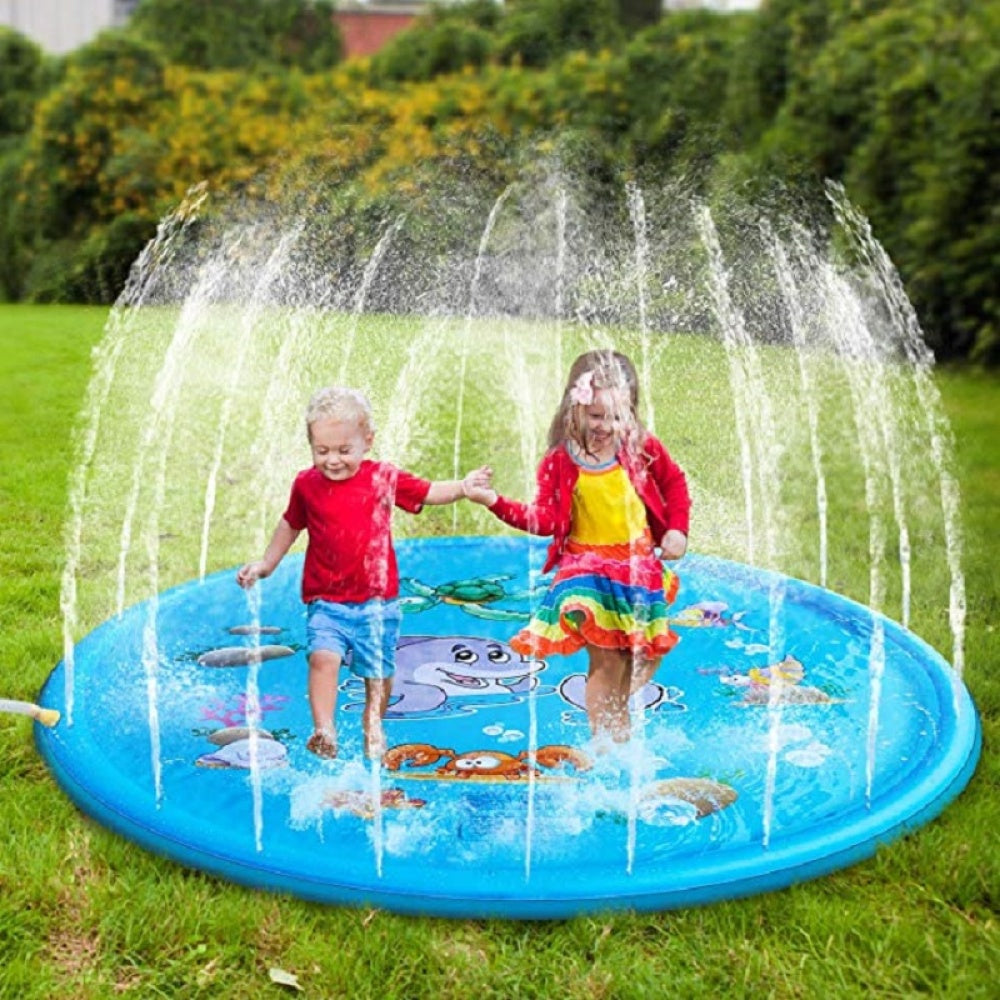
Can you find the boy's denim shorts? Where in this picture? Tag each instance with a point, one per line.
(363, 635)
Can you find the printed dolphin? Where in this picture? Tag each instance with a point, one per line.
(438, 674)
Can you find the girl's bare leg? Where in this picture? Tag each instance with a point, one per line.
(324, 665)
(642, 672)
(377, 692)
(607, 693)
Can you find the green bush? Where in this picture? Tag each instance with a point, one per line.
(13, 252)
(231, 34)
(22, 77)
(433, 47)
(52, 275)
(536, 34)
(677, 75)
(895, 99)
(94, 271)
(900, 103)
(637, 14)
(109, 87)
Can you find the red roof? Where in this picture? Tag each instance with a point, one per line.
(366, 31)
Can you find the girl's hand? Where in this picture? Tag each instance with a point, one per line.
(477, 486)
(674, 544)
(249, 574)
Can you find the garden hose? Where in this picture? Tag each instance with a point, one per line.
(46, 716)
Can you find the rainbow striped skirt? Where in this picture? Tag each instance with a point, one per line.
(599, 600)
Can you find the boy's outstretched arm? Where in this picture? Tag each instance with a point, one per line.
(449, 490)
(281, 541)
(479, 486)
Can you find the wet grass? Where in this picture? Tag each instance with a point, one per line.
(87, 914)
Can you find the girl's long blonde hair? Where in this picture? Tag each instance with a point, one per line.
(611, 370)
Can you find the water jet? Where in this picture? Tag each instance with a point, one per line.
(795, 728)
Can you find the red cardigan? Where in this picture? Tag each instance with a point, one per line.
(658, 480)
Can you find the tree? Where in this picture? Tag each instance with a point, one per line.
(66, 187)
(537, 33)
(898, 99)
(444, 40)
(677, 77)
(234, 34)
(22, 78)
(781, 41)
(637, 14)
(952, 216)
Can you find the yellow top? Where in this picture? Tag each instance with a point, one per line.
(606, 508)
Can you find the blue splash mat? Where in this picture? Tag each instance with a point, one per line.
(789, 733)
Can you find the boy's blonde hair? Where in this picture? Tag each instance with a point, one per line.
(338, 403)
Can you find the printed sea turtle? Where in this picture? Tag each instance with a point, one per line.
(470, 595)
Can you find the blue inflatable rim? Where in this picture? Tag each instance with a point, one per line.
(750, 870)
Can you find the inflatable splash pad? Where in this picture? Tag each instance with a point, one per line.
(789, 733)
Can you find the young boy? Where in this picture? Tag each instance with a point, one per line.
(350, 580)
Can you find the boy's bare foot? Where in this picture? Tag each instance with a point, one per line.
(375, 745)
(323, 743)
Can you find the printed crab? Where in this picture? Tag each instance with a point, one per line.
(470, 595)
(484, 763)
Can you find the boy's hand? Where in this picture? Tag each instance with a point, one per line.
(249, 574)
(674, 544)
(477, 486)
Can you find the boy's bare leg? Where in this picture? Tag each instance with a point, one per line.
(607, 693)
(324, 665)
(377, 691)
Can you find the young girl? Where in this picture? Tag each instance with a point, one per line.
(608, 493)
(349, 580)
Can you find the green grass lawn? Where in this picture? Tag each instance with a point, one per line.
(84, 913)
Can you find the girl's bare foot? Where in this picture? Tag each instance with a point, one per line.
(323, 743)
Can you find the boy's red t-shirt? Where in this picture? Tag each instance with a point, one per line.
(350, 556)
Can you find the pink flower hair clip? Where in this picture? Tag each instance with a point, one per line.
(582, 391)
